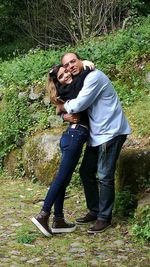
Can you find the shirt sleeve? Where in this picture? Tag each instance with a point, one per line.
(92, 88)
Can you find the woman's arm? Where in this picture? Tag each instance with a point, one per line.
(73, 118)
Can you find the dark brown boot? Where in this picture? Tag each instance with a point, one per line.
(41, 221)
(60, 225)
(86, 219)
(99, 227)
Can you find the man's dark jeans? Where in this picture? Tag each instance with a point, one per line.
(101, 160)
(71, 145)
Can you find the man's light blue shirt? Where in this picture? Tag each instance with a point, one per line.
(106, 117)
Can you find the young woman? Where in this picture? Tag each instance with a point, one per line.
(62, 85)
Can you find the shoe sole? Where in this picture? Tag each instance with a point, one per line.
(63, 230)
(98, 231)
(81, 223)
(40, 227)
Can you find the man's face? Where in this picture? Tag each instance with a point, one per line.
(72, 63)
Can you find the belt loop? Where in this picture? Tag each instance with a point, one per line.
(77, 125)
(73, 126)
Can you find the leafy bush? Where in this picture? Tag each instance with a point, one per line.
(118, 50)
(27, 69)
(141, 227)
(125, 203)
(14, 120)
(14, 48)
(119, 55)
(18, 117)
(25, 236)
(139, 116)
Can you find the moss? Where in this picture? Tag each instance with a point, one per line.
(41, 155)
(46, 172)
(13, 162)
(133, 169)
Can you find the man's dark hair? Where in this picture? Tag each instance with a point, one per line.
(70, 52)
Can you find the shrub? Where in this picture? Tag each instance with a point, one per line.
(14, 120)
(25, 236)
(141, 227)
(125, 203)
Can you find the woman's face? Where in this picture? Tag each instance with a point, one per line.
(64, 76)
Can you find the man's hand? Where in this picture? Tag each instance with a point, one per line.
(73, 118)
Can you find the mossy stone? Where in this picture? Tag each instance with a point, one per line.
(133, 169)
(41, 155)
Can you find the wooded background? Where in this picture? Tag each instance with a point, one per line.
(57, 22)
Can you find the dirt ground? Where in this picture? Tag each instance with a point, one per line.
(21, 244)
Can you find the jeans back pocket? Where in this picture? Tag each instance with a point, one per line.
(65, 141)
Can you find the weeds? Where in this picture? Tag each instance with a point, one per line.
(125, 203)
(141, 227)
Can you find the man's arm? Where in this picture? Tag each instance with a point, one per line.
(94, 84)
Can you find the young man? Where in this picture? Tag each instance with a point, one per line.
(108, 131)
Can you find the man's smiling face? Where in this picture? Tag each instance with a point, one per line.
(73, 64)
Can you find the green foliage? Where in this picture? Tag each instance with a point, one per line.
(40, 115)
(18, 118)
(123, 56)
(125, 203)
(120, 47)
(14, 120)
(25, 236)
(28, 69)
(126, 95)
(138, 114)
(140, 7)
(14, 49)
(58, 22)
(141, 227)
(118, 55)
(10, 12)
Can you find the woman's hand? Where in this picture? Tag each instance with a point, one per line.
(60, 108)
(87, 63)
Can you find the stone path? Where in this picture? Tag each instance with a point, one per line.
(22, 245)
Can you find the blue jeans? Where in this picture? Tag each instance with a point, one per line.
(88, 170)
(71, 145)
(101, 159)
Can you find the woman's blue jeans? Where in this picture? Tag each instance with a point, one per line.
(71, 144)
(102, 160)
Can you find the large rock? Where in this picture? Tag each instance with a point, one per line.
(133, 169)
(143, 202)
(142, 216)
(13, 162)
(41, 155)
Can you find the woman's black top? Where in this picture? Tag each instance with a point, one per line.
(71, 91)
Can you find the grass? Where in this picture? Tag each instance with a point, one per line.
(26, 246)
(138, 116)
(20, 240)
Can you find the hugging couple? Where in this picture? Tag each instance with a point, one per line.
(86, 98)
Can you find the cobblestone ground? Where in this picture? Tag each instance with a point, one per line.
(22, 245)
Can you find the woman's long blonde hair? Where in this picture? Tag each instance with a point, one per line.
(53, 83)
